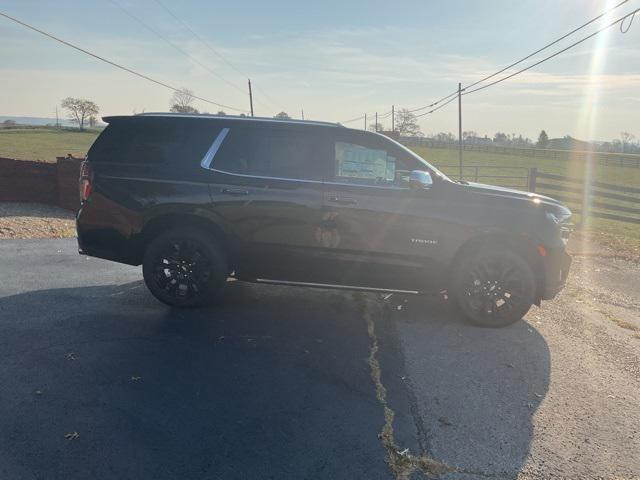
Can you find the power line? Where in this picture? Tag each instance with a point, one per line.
(438, 107)
(208, 46)
(361, 117)
(552, 55)
(114, 64)
(434, 103)
(453, 94)
(547, 45)
(176, 47)
(353, 119)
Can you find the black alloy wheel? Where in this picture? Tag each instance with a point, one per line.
(184, 268)
(494, 288)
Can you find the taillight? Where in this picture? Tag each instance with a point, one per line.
(85, 181)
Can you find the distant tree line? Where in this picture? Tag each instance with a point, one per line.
(625, 144)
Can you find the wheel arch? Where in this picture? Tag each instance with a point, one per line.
(169, 221)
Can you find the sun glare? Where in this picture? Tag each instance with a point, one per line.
(588, 117)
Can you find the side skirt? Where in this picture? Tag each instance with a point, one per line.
(333, 286)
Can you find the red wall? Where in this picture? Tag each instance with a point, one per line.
(42, 182)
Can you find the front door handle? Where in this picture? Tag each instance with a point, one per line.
(333, 198)
(235, 191)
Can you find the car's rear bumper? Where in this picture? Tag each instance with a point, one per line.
(104, 235)
(556, 269)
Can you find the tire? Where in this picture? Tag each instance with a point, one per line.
(184, 268)
(492, 286)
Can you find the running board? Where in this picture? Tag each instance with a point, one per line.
(333, 286)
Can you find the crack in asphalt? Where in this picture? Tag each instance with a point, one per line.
(402, 463)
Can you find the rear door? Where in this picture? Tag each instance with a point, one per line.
(267, 184)
(377, 231)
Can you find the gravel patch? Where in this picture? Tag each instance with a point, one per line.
(35, 220)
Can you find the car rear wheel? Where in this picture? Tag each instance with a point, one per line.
(184, 268)
(493, 287)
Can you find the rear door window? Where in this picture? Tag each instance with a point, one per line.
(270, 152)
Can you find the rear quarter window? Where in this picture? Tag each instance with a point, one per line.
(152, 141)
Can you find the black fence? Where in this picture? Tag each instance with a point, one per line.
(597, 199)
(600, 200)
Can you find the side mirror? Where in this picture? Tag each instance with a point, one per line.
(420, 180)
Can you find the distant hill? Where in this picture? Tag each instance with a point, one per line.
(37, 121)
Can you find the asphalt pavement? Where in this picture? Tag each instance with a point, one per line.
(99, 380)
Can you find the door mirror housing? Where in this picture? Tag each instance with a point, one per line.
(420, 180)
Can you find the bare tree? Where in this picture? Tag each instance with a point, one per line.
(500, 137)
(222, 113)
(283, 115)
(626, 138)
(407, 124)
(376, 127)
(80, 110)
(543, 140)
(182, 101)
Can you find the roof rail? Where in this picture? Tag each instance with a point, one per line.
(240, 118)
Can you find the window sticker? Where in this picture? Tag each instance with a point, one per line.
(356, 161)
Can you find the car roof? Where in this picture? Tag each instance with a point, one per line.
(290, 121)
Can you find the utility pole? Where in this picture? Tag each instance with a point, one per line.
(250, 96)
(393, 118)
(365, 121)
(376, 121)
(302, 110)
(460, 127)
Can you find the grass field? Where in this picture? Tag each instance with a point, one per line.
(48, 143)
(610, 174)
(44, 143)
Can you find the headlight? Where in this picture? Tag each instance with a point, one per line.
(553, 217)
(566, 227)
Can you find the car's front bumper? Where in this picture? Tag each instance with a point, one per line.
(556, 269)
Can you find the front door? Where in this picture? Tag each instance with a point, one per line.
(377, 231)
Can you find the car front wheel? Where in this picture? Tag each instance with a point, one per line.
(493, 287)
(184, 268)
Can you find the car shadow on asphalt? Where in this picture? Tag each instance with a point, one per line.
(105, 382)
(475, 390)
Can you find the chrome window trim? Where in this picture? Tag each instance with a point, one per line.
(213, 149)
(261, 177)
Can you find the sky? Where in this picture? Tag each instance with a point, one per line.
(333, 59)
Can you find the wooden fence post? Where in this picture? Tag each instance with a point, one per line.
(533, 175)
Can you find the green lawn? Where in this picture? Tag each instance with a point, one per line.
(610, 174)
(44, 143)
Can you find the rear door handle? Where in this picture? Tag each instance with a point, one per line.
(235, 191)
(333, 198)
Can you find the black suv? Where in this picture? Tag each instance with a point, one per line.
(197, 199)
